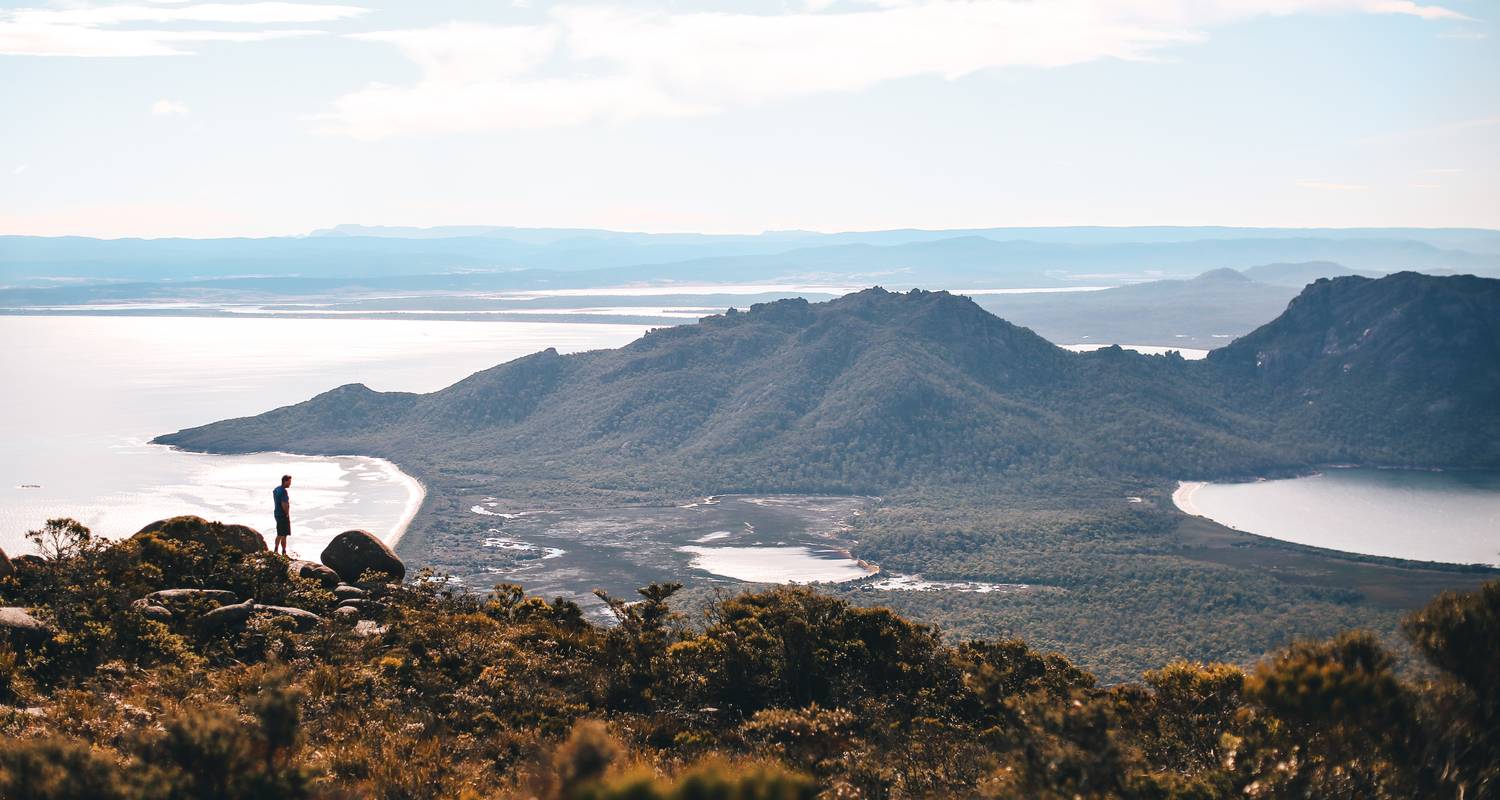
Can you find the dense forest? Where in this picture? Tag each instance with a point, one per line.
(775, 695)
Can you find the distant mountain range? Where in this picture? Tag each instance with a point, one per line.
(1203, 312)
(1299, 274)
(877, 390)
(512, 258)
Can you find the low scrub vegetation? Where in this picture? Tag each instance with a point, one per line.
(781, 694)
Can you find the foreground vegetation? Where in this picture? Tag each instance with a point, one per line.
(781, 694)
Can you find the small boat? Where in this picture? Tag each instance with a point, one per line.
(29, 486)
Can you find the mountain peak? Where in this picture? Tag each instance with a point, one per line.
(1408, 353)
(878, 389)
(1223, 275)
(1298, 273)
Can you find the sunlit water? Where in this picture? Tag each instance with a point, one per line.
(1450, 517)
(784, 564)
(84, 395)
(1188, 353)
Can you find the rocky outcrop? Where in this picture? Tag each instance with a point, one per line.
(27, 561)
(216, 536)
(20, 629)
(5, 566)
(346, 592)
(312, 570)
(304, 619)
(224, 616)
(218, 597)
(157, 605)
(368, 627)
(353, 553)
(150, 611)
(344, 612)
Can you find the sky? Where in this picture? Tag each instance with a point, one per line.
(184, 118)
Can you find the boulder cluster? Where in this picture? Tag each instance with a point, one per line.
(356, 567)
(17, 626)
(215, 608)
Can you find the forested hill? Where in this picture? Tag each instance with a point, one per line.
(876, 390)
(1408, 362)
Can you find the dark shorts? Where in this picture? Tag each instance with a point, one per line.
(283, 526)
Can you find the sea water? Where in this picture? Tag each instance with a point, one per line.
(83, 396)
(1450, 517)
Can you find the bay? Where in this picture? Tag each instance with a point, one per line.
(1451, 517)
(84, 395)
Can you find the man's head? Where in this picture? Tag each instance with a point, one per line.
(286, 480)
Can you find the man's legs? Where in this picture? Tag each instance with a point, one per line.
(283, 530)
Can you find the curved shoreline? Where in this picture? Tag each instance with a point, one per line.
(1182, 496)
(416, 494)
(416, 491)
(1325, 520)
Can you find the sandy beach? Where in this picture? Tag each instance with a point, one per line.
(1183, 496)
(416, 493)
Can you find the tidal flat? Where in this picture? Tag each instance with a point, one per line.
(724, 541)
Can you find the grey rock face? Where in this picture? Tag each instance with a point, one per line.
(313, 571)
(169, 596)
(150, 611)
(352, 553)
(18, 627)
(304, 619)
(224, 616)
(346, 592)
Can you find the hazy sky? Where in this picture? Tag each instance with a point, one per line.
(254, 118)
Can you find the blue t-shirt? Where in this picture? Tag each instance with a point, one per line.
(279, 497)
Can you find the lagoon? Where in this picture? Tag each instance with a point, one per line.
(1451, 517)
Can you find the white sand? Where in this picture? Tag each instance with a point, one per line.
(415, 494)
(775, 564)
(1183, 496)
(916, 583)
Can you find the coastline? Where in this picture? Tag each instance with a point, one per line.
(416, 495)
(1355, 531)
(1182, 496)
(416, 491)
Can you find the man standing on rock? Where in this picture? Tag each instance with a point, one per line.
(283, 514)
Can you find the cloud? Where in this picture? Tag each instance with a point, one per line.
(169, 108)
(20, 168)
(1325, 186)
(1408, 7)
(110, 30)
(244, 13)
(613, 62)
